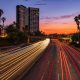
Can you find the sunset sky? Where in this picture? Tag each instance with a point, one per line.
(56, 16)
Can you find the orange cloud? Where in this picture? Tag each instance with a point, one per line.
(59, 24)
(59, 17)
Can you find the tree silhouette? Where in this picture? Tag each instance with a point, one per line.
(3, 20)
(77, 21)
(1, 13)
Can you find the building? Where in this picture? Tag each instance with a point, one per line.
(20, 17)
(27, 18)
(33, 19)
(66, 40)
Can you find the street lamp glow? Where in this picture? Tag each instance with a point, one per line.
(4, 35)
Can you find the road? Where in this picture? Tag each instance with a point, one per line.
(46, 67)
(14, 63)
(72, 60)
(58, 61)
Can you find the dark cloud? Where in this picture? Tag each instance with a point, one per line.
(59, 17)
(54, 22)
(40, 4)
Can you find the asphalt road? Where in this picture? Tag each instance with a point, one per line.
(46, 67)
(58, 61)
(15, 62)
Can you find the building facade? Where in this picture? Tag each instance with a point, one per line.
(20, 17)
(33, 19)
(27, 18)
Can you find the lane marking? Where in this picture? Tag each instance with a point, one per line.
(58, 76)
(42, 76)
(61, 66)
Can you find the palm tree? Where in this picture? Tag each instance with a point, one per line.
(3, 20)
(1, 12)
(77, 21)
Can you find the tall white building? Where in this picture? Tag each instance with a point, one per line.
(27, 18)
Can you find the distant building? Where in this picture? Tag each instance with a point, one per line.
(66, 40)
(27, 18)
